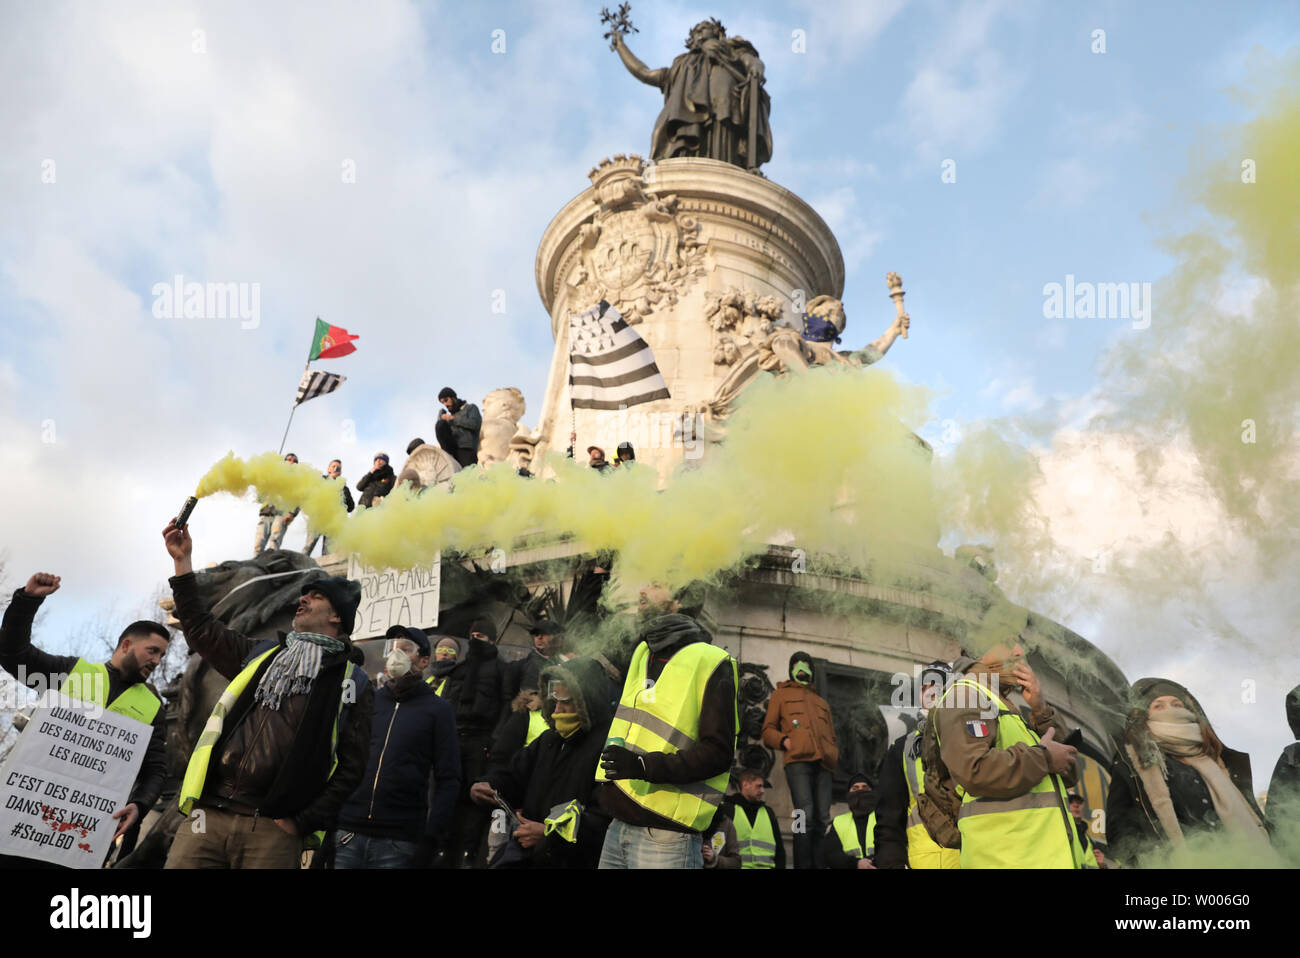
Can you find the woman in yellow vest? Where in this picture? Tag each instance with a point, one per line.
(1011, 774)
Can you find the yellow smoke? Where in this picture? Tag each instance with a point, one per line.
(851, 435)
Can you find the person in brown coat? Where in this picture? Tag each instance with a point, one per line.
(799, 723)
(959, 748)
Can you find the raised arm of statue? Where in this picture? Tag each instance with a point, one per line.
(881, 345)
(656, 78)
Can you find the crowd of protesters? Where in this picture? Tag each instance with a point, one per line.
(455, 758)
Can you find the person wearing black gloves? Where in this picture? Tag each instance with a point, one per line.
(390, 821)
(118, 684)
(849, 842)
(668, 756)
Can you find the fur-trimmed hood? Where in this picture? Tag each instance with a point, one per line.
(589, 686)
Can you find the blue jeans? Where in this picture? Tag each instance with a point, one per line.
(363, 851)
(810, 792)
(635, 846)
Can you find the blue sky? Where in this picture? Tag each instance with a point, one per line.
(217, 156)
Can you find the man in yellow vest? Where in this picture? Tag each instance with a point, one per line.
(1010, 774)
(848, 842)
(287, 742)
(757, 833)
(902, 838)
(118, 684)
(669, 749)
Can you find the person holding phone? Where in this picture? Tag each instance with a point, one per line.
(1011, 774)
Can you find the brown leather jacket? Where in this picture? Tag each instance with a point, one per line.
(800, 714)
(277, 763)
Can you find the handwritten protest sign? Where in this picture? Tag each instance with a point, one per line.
(396, 597)
(71, 769)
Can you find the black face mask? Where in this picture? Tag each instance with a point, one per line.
(862, 802)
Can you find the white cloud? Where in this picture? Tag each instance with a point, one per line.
(955, 103)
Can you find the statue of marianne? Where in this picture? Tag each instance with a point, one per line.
(714, 102)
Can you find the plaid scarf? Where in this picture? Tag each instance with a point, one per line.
(294, 669)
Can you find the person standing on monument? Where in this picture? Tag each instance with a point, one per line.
(334, 471)
(118, 685)
(458, 427)
(799, 723)
(272, 523)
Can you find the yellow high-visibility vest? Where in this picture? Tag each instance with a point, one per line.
(847, 832)
(922, 850)
(536, 726)
(196, 772)
(664, 716)
(88, 681)
(756, 839)
(440, 686)
(1034, 830)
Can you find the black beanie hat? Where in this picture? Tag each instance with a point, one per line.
(484, 626)
(859, 777)
(447, 393)
(415, 635)
(343, 594)
(801, 656)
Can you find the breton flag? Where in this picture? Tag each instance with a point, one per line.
(611, 367)
(315, 383)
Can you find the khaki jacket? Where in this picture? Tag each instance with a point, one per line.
(813, 739)
(971, 761)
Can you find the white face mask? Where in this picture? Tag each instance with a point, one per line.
(397, 664)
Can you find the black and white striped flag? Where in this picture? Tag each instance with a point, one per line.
(611, 366)
(315, 384)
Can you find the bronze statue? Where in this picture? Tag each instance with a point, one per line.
(714, 102)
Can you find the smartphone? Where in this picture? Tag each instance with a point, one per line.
(1074, 739)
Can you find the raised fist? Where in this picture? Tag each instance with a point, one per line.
(42, 584)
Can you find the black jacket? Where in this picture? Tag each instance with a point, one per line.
(1132, 827)
(474, 687)
(711, 755)
(376, 485)
(17, 652)
(891, 808)
(554, 770)
(414, 753)
(276, 764)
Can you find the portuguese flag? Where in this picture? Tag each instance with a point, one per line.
(330, 342)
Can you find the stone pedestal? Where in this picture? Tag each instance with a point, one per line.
(697, 255)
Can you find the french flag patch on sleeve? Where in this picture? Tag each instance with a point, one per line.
(978, 728)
